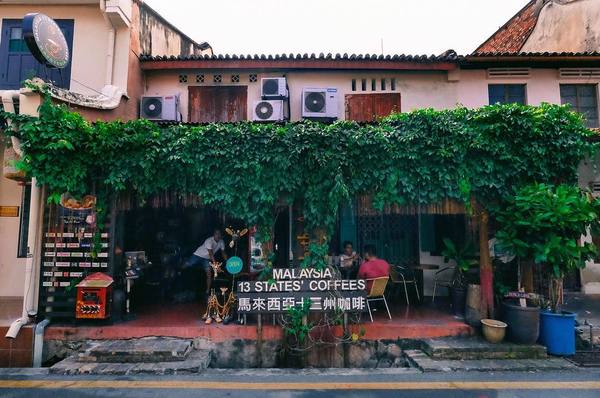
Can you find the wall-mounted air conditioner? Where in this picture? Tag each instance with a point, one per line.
(267, 111)
(160, 108)
(273, 88)
(320, 103)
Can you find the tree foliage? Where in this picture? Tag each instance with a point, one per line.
(545, 223)
(246, 168)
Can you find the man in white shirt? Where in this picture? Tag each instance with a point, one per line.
(205, 254)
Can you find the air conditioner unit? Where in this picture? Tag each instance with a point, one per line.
(273, 88)
(267, 110)
(320, 103)
(160, 108)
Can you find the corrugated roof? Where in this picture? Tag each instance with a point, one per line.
(532, 54)
(445, 57)
(511, 36)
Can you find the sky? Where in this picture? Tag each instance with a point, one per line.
(338, 26)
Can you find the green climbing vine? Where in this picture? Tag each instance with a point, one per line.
(247, 169)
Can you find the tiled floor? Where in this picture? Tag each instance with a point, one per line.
(184, 320)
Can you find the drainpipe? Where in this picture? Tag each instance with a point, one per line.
(38, 342)
(33, 256)
(35, 227)
(110, 54)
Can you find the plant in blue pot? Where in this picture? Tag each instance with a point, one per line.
(546, 223)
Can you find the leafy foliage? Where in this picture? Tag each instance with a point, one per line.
(297, 325)
(247, 169)
(545, 223)
(463, 256)
(316, 256)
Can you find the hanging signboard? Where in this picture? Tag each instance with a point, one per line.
(45, 40)
(294, 287)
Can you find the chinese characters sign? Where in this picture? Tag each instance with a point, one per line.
(292, 287)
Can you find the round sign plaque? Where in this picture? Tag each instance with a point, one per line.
(234, 265)
(45, 40)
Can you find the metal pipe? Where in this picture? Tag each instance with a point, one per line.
(15, 327)
(38, 343)
(8, 104)
(111, 43)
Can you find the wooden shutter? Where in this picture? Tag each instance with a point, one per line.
(370, 107)
(218, 104)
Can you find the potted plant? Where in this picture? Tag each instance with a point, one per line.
(464, 257)
(521, 311)
(545, 223)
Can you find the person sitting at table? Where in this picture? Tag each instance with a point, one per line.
(373, 267)
(348, 260)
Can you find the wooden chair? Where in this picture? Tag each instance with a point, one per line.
(377, 293)
(403, 275)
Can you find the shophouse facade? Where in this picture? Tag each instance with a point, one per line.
(514, 65)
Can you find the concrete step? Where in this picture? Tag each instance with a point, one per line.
(148, 349)
(474, 348)
(420, 360)
(196, 361)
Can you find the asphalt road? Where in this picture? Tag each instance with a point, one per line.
(308, 383)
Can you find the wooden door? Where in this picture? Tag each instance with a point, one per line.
(370, 107)
(218, 104)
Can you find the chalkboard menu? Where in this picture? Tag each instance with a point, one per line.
(68, 257)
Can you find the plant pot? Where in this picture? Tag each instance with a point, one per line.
(523, 322)
(557, 332)
(473, 306)
(493, 330)
(459, 298)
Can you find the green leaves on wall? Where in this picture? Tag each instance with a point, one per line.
(245, 169)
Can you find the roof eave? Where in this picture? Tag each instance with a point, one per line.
(530, 60)
(297, 64)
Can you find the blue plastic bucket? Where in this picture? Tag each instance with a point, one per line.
(557, 332)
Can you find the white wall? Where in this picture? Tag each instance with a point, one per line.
(12, 269)
(417, 89)
(90, 44)
(543, 85)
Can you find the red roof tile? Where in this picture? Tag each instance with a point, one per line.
(511, 37)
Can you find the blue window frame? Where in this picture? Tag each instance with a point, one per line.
(584, 99)
(18, 64)
(507, 94)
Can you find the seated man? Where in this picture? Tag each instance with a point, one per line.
(373, 267)
(205, 254)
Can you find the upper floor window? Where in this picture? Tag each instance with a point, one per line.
(18, 64)
(507, 94)
(584, 99)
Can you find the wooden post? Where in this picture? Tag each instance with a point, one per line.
(304, 355)
(259, 339)
(527, 276)
(345, 347)
(486, 275)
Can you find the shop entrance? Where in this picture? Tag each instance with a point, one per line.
(164, 239)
